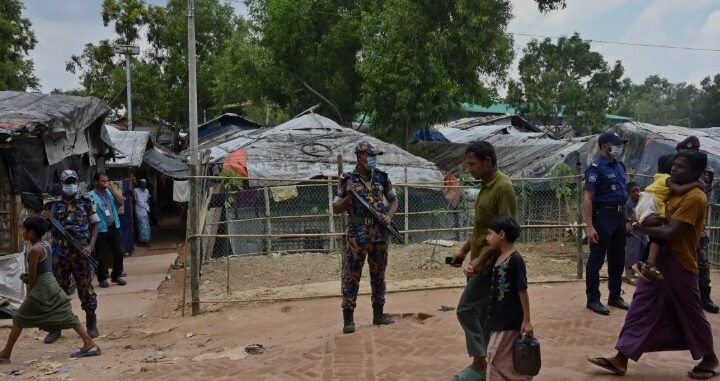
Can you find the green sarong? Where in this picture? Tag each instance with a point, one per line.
(46, 307)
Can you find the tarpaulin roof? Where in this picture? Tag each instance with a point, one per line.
(307, 147)
(223, 123)
(129, 146)
(169, 164)
(467, 130)
(518, 154)
(647, 142)
(24, 112)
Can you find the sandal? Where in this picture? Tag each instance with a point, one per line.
(607, 364)
(94, 351)
(469, 374)
(698, 373)
(650, 270)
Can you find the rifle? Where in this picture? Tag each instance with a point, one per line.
(67, 237)
(391, 228)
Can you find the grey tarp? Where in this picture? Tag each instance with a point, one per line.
(25, 112)
(169, 164)
(11, 287)
(128, 146)
(307, 147)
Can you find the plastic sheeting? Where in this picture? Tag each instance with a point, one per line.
(307, 147)
(129, 146)
(11, 287)
(26, 112)
(169, 164)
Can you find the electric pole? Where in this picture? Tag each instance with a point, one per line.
(128, 51)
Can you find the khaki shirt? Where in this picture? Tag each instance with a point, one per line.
(496, 198)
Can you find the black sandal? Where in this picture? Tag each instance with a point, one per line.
(650, 270)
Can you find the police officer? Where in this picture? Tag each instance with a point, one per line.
(76, 213)
(693, 143)
(607, 221)
(365, 237)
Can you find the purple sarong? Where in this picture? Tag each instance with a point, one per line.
(666, 315)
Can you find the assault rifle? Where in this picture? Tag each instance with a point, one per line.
(391, 228)
(71, 240)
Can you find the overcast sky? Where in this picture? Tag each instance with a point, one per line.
(63, 27)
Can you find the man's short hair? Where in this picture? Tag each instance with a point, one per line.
(482, 151)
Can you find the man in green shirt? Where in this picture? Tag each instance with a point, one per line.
(496, 198)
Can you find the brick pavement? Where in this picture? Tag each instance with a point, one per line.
(419, 347)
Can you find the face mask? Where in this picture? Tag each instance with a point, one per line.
(371, 162)
(616, 151)
(70, 189)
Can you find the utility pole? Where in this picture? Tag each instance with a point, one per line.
(128, 51)
(194, 244)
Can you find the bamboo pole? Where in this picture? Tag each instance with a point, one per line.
(407, 207)
(268, 226)
(578, 186)
(331, 217)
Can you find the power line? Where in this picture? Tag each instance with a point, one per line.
(623, 43)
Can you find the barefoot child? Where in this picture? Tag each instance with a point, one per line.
(636, 242)
(652, 202)
(46, 305)
(510, 308)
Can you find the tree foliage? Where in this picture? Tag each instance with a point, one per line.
(565, 83)
(421, 58)
(16, 40)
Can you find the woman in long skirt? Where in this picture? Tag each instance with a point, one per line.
(46, 305)
(142, 209)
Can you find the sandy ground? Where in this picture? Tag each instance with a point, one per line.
(318, 274)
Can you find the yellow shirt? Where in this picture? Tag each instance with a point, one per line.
(660, 190)
(496, 198)
(690, 209)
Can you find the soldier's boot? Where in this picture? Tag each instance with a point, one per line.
(91, 323)
(52, 337)
(707, 302)
(379, 318)
(348, 323)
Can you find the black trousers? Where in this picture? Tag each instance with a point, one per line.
(108, 249)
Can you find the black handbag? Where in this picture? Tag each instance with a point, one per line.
(526, 355)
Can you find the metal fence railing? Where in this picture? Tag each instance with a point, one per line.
(243, 217)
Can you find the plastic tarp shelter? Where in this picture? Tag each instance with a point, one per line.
(11, 287)
(307, 147)
(169, 164)
(128, 146)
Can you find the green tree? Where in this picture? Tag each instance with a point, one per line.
(657, 101)
(707, 108)
(422, 58)
(565, 83)
(16, 40)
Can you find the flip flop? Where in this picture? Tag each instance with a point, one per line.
(698, 373)
(469, 374)
(89, 353)
(606, 364)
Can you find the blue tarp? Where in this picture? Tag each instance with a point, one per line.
(429, 135)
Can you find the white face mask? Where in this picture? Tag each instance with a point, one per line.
(70, 189)
(617, 151)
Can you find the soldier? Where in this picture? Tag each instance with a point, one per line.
(365, 237)
(76, 213)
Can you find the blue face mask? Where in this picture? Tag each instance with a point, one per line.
(616, 151)
(371, 162)
(70, 189)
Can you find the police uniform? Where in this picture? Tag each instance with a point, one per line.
(607, 178)
(76, 216)
(365, 238)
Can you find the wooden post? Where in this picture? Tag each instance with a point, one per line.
(579, 189)
(268, 226)
(407, 207)
(15, 227)
(523, 205)
(331, 215)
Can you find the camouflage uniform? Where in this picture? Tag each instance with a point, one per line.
(76, 217)
(365, 237)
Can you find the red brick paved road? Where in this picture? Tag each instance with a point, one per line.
(433, 348)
